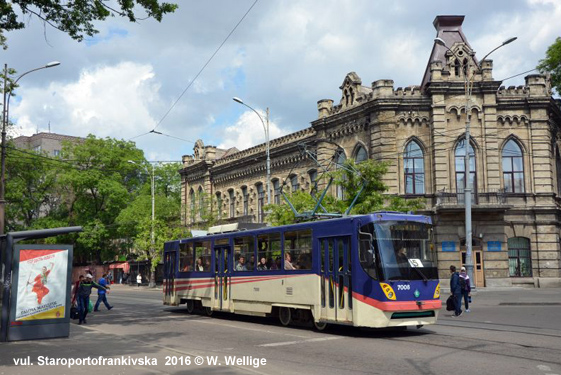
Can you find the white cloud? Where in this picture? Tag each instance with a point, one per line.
(286, 55)
(249, 131)
(105, 101)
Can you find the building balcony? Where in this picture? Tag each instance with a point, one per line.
(491, 200)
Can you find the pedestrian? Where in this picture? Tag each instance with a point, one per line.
(465, 286)
(75, 289)
(84, 291)
(110, 278)
(455, 290)
(102, 293)
(138, 279)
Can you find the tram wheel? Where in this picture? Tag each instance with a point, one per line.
(285, 316)
(208, 311)
(320, 326)
(190, 306)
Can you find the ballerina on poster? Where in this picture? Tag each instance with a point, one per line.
(42, 284)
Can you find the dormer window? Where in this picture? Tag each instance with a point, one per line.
(457, 67)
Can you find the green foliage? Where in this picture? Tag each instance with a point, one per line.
(76, 18)
(96, 186)
(281, 214)
(162, 232)
(30, 181)
(167, 199)
(552, 64)
(353, 177)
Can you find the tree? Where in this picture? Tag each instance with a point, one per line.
(97, 183)
(31, 182)
(135, 220)
(76, 18)
(552, 64)
(163, 232)
(353, 177)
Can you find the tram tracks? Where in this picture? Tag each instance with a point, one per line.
(457, 341)
(489, 326)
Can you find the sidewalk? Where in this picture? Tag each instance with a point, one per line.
(513, 296)
(133, 287)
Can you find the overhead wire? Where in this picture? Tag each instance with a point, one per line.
(200, 71)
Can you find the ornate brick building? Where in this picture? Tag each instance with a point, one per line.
(515, 168)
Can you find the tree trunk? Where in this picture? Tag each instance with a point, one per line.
(152, 277)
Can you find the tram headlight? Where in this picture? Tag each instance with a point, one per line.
(388, 291)
(437, 292)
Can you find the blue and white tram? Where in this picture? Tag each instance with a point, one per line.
(376, 270)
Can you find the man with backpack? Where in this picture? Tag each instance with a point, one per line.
(456, 290)
(465, 286)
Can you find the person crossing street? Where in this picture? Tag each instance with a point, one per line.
(102, 293)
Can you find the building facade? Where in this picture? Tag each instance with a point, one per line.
(515, 165)
(51, 143)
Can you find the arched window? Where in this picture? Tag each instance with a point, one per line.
(519, 257)
(457, 67)
(245, 196)
(219, 205)
(313, 179)
(513, 168)
(260, 202)
(232, 198)
(277, 192)
(192, 205)
(558, 168)
(414, 167)
(360, 154)
(461, 167)
(465, 67)
(201, 202)
(294, 183)
(340, 160)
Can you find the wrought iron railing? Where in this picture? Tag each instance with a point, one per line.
(457, 197)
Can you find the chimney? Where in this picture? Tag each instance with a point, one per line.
(448, 23)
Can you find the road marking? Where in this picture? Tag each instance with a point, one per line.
(213, 322)
(301, 341)
(544, 368)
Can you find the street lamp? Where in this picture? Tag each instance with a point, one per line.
(267, 148)
(468, 86)
(152, 238)
(5, 114)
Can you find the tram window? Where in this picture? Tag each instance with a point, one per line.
(268, 252)
(367, 252)
(202, 256)
(244, 253)
(186, 256)
(298, 250)
(330, 259)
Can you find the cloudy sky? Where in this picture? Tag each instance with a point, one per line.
(285, 55)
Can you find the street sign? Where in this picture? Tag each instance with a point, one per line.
(448, 246)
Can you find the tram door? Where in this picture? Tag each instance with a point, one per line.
(222, 277)
(169, 274)
(336, 285)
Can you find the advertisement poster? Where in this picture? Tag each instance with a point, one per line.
(42, 284)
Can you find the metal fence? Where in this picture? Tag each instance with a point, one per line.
(457, 197)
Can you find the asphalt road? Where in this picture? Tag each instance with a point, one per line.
(504, 334)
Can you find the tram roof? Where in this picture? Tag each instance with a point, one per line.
(373, 217)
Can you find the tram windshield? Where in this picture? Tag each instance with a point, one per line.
(398, 250)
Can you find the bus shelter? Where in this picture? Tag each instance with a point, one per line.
(35, 286)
